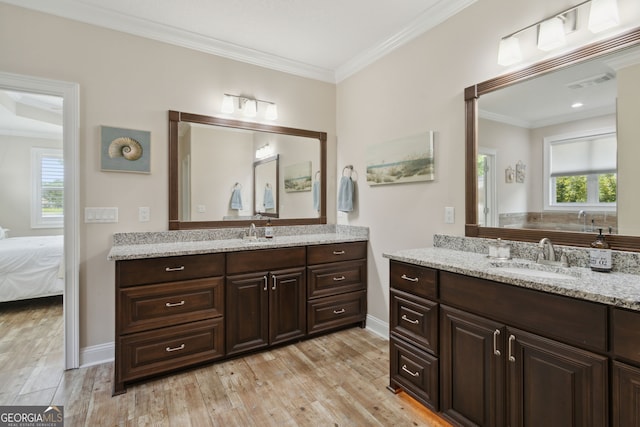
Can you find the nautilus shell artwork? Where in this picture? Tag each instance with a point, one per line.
(125, 147)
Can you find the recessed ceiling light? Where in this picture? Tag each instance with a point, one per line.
(577, 105)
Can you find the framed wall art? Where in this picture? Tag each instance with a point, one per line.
(125, 150)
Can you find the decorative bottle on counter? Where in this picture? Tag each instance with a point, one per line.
(268, 230)
(600, 254)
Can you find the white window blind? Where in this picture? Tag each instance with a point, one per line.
(595, 155)
(48, 188)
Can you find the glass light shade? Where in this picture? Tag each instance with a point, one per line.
(272, 112)
(227, 104)
(603, 15)
(551, 34)
(509, 51)
(250, 108)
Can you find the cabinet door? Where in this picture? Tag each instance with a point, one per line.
(471, 369)
(247, 298)
(554, 384)
(626, 395)
(287, 315)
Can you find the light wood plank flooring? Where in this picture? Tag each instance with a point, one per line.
(338, 379)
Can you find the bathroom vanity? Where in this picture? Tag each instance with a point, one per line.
(185, 297)
(486, 344)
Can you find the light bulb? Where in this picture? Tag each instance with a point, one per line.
(272, 112)
(227, 104)
(551, 34)
(509, 51)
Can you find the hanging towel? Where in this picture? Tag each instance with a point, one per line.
(268, 198)
(236, 199)
(345, 194)
(316, 196)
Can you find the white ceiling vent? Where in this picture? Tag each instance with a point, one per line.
(591, 81)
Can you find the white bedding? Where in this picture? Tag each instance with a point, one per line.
(31, 267)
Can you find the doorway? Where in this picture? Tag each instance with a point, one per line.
(487, 204)
(69, 93)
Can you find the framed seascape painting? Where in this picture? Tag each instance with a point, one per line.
(402, 160)
(125, 150)
(297, 177)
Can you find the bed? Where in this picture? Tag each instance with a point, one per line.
(31, 267)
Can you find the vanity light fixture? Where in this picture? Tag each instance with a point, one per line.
(552, 30)
(264, 152)
(248, 106)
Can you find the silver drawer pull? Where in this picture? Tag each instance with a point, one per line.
(169, 349)
(495, 342)
(411, 279)
(413, 374)
(339, 311)
(174, 304)
(339, 279)
(405, 318)
(338, 252)
(511, 340)
(174, 268)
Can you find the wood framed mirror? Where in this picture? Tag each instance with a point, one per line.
(211, 172)
(472, 94)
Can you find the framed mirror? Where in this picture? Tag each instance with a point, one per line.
(266, 179)
(537, 213)
(216, 179)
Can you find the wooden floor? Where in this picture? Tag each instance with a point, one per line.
(338, 379)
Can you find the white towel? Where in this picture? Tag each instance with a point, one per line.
(268, 198)
(316, 196)
(236, 199)
(345, 194)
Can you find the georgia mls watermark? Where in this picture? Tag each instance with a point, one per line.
(31, 416)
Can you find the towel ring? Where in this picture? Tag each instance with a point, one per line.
(316, 176)
(237, 186)
(350, 167)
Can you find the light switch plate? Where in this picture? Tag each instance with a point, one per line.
(449, 215)
(100, 215)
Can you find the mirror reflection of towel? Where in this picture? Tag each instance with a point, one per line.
(316, 196)
(236, 199)
(345, 194)
(268, 198)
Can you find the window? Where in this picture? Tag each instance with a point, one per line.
(581, 172)
(47, 174)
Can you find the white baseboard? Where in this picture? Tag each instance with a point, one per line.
(377, 326)
(97, 354)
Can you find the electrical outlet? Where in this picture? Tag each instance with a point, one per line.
(449, 215)
(144, 214)
(202, 209)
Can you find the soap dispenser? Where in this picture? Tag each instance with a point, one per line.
(600, 254)
(268, 230)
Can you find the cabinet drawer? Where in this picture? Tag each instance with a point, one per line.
(415, 371)
(416, 280)
(158, 351)
(154, 306)
(265, 259)
(578, 322)
(330, 312)
(168, 269)
(626, 334)
(336, 278)
(320, 254)
(415, 319)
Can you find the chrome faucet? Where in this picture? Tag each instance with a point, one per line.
(545, 243)
(582, 214)
(252, 230)
(550, 257)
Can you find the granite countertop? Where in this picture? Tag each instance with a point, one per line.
(616, 289)
(129, 246)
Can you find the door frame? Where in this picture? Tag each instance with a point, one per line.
(70, 93)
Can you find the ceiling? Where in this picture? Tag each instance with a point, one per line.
(325, 40)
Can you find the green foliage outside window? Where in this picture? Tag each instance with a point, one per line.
(573, 189)
(608, 186)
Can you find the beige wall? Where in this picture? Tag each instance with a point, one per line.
(132, 82)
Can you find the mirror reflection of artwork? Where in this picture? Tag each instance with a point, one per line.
(509, 175)
(520, 172)
(402, 160)
(297, 177)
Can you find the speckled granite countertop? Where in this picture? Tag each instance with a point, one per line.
(617, 289)
(127, 246)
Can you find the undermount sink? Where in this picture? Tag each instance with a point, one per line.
(535, 270)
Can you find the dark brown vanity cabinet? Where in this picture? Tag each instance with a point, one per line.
(625, 377)
(169, 315)
(495, 374)
(414, 332)
(265, 296)
(336, 286)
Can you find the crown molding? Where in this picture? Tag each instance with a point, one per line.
(102, 17)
